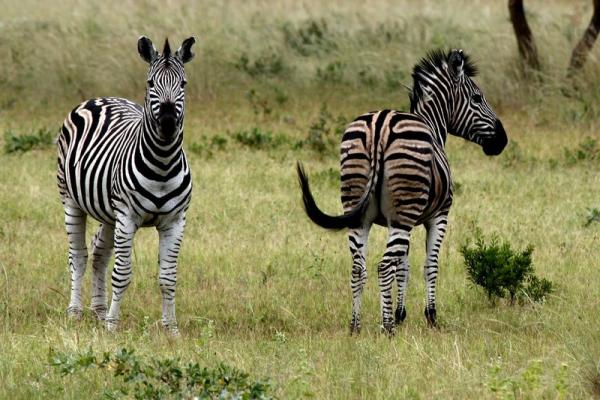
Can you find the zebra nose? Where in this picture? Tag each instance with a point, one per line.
(167, 108)
(495, 144)
(167, 119)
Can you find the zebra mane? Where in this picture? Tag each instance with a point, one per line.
(166, 52)
(433, 62)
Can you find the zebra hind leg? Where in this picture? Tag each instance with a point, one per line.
(436, 229)
(75, 221)
(102, 247)
(170, 238)
(357, 241)
(402, 273)
(396, 250)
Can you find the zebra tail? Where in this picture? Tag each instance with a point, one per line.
(351, 219)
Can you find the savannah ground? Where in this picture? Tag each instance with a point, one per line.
(261, 288)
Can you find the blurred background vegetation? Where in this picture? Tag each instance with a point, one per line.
(288, 55)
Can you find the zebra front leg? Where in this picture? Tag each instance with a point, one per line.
(102, 246)
(402, 273)
(357, 241)
(170, 237)
(125, 230)
(436, 229)
(396, 250)
(75, 221)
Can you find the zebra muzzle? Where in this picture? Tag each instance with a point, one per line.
(167, 120)
(495, 144)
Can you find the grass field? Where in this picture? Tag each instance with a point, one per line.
(262, 289)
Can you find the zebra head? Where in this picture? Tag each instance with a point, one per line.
(472, 116)
(445, 93)
(165, 91)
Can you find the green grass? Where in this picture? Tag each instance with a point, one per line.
(260, 288)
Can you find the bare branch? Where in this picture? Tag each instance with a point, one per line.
(583, 48)
(525, 41)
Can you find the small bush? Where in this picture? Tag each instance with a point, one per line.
(312, 38)
(514, 156)
(502, 271)
(206, 147)
(260, 105)
(537, 288)
(325, 132)
(269, 64)
(162, 378)
(592, 216)
(588, 150)
(43, 137)
(332, 73)
(258, 139)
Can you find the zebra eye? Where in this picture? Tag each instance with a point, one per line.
(183, 83)
(476, 98)
(151, 83)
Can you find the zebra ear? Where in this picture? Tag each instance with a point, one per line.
(456, 61)
(184, 53)
(147, 50)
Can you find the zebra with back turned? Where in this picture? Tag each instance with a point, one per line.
(123, 164)
(395, 173)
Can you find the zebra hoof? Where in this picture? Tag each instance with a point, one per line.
(111, 324)
(400, 315)
(388, 328)
(99, 312)
(430, 316)
(172, 330)
(354, 327)
(75, 313)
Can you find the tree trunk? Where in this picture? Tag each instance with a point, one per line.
(524, 36)
(581, 51)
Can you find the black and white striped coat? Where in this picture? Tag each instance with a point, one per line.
(395, 173)
(123, 165)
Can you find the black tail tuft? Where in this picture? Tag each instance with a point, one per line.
(352, 219)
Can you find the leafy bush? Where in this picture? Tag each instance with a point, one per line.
(593, 216)
(312, 38)
(502, 271)
(332, 73)
(588, 150)
(268, 64)
(260, 105)
(162, 378)
(325, 132)
(43, 137)
(207, 147)
(258, 139)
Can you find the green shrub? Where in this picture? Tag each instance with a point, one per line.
(502, 271)
(324, 133)
(537, 288)
(332, 73)
(268, 64)
(41, 138)
(257, 139)
(206, 147)
(311, 38)
(592, 216)
(260, 105)
(588, 150)
(162, 378)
